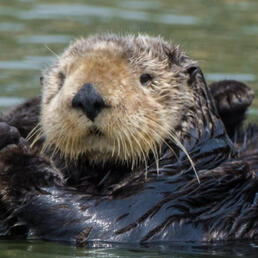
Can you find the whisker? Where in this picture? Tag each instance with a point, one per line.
(51, 51)
(33, 132)
(174, 137)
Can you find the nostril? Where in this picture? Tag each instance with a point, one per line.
(99, 104)
(76, 103)
(89, 101)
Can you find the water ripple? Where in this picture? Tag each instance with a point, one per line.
(76, 12)
(252, 30)
(140, 5)
(29, 63)
(228, 76)
(44, 39)
(252, 111)
(10, 101)
(5, 26)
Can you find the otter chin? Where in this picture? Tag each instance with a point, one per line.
(115, 98)
(113, 108)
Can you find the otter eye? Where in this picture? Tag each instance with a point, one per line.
(61, 78)
(145, 79)
(41, 80)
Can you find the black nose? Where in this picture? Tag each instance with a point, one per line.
(89, 101)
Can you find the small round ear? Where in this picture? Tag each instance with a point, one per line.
(192, 70)
(198, 83)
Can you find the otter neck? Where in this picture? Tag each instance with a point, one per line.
(203, 135)
(91, 177)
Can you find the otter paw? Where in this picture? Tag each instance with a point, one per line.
(231, 96)
(8, 135)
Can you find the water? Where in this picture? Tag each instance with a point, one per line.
(221, 34)
(40, 249)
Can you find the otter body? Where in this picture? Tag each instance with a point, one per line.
(128, 144)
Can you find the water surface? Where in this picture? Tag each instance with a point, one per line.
(221, 34)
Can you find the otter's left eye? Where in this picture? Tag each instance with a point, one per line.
(41, 80)
(145, 79)
(61, 78)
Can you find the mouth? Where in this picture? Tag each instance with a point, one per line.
(95, 131)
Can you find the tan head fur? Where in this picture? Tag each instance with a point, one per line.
(139, 117)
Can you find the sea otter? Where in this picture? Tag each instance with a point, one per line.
(128, 144)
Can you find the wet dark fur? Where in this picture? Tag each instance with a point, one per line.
(110, 204)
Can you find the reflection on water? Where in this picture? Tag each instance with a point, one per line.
(251, 30)
(5, 26)
(10, 101)
(137, 5)
(227, 76)
(44, 39)
(39, 249)
(29, 63)
(222, 35)
(76, 11)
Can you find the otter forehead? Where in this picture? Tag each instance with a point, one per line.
(128, 45)
(114, 96)
(97, 65)
(137, 49)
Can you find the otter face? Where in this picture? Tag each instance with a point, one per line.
(117, 98)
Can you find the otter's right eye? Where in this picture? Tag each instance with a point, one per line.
(61, 78)
(145, 79)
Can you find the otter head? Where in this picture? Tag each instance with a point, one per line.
(115, 98)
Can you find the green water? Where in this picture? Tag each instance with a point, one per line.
(221, 34)
(40, 249)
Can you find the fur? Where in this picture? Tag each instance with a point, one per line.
(128, 176)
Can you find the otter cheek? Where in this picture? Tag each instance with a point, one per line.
(51, 115)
